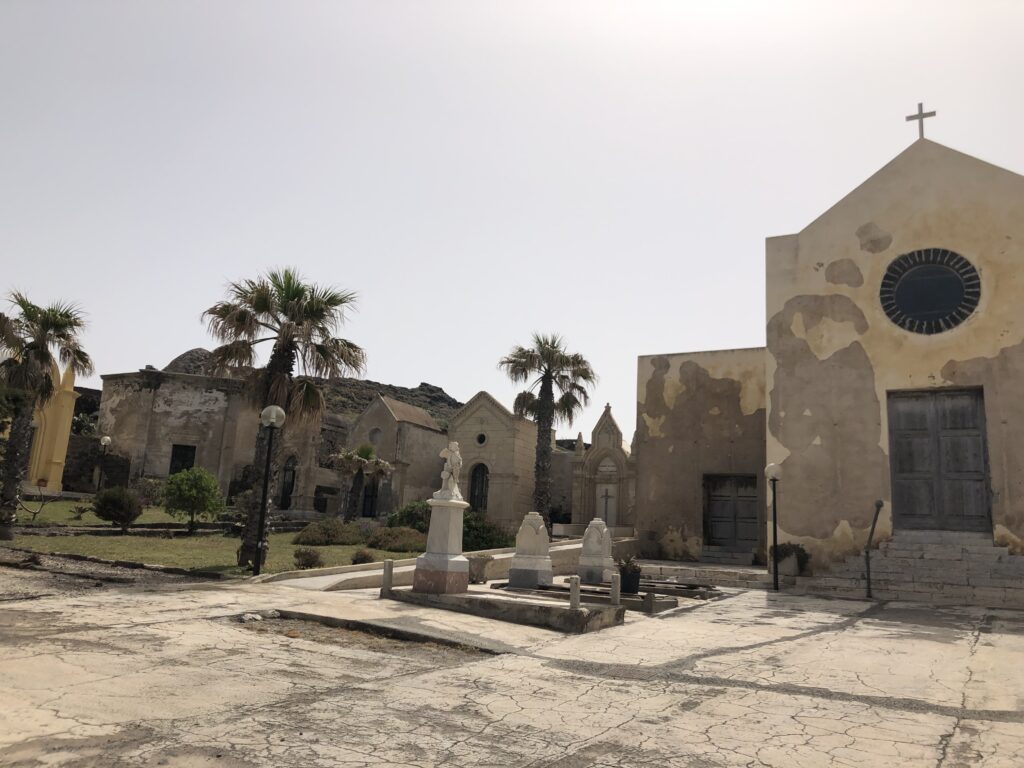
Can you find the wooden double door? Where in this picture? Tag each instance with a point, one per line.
(939, 461)
(730, 512)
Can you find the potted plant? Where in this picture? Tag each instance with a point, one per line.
(793, 558)
(629, 571)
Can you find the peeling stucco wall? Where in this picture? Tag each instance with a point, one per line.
(697, 414)
(833, 354)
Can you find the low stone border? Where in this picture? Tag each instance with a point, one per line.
(389, 630)
(121, 563)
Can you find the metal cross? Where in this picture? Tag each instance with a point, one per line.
(920, 116)
(606, 497)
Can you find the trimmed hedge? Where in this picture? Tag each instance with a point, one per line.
(324, 533)
(398, 540)
(477, 531)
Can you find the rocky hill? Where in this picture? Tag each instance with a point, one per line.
(349, 397)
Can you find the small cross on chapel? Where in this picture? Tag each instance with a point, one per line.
(920, 117)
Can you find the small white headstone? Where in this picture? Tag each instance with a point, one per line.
(596, 562)
(531, 565)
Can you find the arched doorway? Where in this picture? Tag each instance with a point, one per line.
(287, 483)
(606, 491)
(478, 481)
(370, 492)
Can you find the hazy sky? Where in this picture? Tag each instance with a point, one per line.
(475, 170)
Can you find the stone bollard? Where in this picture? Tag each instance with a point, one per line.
(574, 593)
(387, 578)
(616, 593)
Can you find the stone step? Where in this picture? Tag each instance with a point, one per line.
(729, 558)
(719, 576)
(942, 537)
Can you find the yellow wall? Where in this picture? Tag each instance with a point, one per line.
(53, 430)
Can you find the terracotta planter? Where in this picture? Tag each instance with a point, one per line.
(629, 583)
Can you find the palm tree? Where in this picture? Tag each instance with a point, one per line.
(299, 321)
(32, 340)
(548, 368)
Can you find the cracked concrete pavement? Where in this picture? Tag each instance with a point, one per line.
(157, 676)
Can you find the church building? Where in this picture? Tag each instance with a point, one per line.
(893, 370)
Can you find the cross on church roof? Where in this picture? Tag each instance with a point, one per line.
(920, 116)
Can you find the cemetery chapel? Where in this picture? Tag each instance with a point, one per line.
(893, 370)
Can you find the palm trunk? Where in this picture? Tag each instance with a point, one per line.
(542, 462)
(15, 463)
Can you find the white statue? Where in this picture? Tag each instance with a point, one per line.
(450, 473)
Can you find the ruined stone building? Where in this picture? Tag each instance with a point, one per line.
(892, 371)
(162, 421)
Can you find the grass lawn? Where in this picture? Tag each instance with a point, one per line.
(207, 553)
(62, 512)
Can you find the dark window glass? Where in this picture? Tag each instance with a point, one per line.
(182, 457)
(478, 481)
(930, 291)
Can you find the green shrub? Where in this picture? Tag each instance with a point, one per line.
(333, 531)
(366, 451)
(480, 533)
(415, 515)
(307, 557)
(362, 556)
(192, 493)
(398, 540)
(117, 505)
(150, 491)
(477, 531)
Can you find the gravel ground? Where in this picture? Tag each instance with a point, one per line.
(24, 575)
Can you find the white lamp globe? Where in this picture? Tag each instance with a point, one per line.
(272, 416)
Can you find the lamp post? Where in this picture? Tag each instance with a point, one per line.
(105, 443)
(272, 418)
(774, 473)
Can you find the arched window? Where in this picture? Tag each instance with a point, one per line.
(478, 479)
(288, 483)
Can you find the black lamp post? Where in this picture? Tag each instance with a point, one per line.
(774, 473)
(272, 419)
(105, 443)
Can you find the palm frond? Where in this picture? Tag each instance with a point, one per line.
(306, 401)
(525, 405)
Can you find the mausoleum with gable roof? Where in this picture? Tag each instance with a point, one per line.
(892, 371)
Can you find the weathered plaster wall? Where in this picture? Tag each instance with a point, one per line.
(834, 354)
(699, 413)
(146, 413)
(419, 454)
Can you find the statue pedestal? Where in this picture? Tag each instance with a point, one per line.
(442, 569)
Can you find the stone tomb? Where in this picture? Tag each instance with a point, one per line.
(596, 562)
(531, 566)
